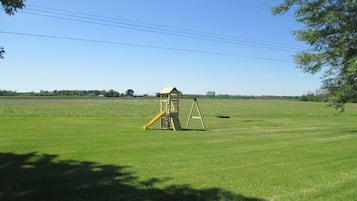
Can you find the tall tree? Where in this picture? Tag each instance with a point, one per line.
(331, 31)
(129, 92)
(2, 51)
(10, 7)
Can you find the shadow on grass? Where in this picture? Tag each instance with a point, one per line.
(34, 177)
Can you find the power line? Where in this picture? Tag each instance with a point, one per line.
(247, 4)
(140, 46)
(158, 29)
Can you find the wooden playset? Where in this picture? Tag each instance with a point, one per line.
(169, 111)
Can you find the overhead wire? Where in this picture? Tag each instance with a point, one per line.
(247, 4)
(140, 45)
(149, 27)
(154, 28)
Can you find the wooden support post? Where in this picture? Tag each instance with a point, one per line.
(175, 122)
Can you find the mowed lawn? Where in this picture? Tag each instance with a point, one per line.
(96, 149)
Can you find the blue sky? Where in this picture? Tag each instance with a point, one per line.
(228, 46)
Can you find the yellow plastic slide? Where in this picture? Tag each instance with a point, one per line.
(152, 121)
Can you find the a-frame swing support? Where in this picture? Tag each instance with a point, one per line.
(190, 117)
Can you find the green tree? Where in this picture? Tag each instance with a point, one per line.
(331, 32)
(129, 92)
(2, 52)
(112, 93)
(10, 7)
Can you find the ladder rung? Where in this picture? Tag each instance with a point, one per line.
(196, 118)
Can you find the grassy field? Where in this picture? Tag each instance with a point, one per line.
(78, 149)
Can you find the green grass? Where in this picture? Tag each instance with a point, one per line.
(95, 149)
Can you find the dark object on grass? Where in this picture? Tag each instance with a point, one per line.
(223, 116)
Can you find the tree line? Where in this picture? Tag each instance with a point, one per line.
(88, 93)
(319, 95)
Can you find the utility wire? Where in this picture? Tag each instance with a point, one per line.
(140, 45)
(159, 29)
(247, 4)
(172, 33)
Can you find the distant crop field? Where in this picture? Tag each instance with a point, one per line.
(96, 149)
